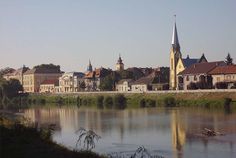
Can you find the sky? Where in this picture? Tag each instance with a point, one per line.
(70, 32)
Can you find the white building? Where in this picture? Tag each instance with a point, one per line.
(71, 81)
(124, 85)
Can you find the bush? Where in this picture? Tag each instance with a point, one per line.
(142, 103)
(120, 101)
(59, 100)
(108, 102)
(192, 86)
(99, 101)
(150, 103)
(221, 85)
(169, 102)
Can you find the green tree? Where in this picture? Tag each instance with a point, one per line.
(10, 89)
(107, 83)
(229, 60)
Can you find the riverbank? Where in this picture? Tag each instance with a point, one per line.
(219, 99)
(20, 141)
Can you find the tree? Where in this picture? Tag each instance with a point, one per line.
(55, 68)
(10, 89)
(6, 71)
(229, 60)
(107, 83)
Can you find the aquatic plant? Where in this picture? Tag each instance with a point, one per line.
(88, 137)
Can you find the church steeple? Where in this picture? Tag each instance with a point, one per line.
(119, 64)
(90, 68)
(175, 39)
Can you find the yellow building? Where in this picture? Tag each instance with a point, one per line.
(33, 78)
(175, 55)
(177, 63)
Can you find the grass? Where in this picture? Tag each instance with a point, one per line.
(19, 141)
(129, 100)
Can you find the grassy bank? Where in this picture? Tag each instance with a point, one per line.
(211, 100)
(19, 141)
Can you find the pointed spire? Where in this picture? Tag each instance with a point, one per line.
(90, 68)
(175, 40)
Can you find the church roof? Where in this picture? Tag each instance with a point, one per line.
(175, 39)
(188, 62)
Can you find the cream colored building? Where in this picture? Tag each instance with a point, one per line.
(225, 73)
(70, 82)
(17, 74)
(124, 85)
(49, 86)
(33, 78)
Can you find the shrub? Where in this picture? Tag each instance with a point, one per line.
(221, 85)
(192, 86)
(150, 103)
(120, 101)
(142, 103)
(99, 101)
(169, 101)
(108, 102)
(59, 100)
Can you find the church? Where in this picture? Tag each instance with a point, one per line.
(177, 62)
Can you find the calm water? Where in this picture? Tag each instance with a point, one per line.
(168, 132)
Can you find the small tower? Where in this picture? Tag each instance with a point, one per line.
(175, 55)
(90, 68)
(119, 64)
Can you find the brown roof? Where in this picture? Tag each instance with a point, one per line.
(98, 73)
(228, 69)
(54, 82)
(201, 68)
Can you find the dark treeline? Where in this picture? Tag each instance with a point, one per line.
(10, 91)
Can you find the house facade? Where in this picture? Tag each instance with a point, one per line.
(226, 74)
(49, 86)
(124, 85)
(71, 82)
(33, 78)
(197, 74)
(93, 79)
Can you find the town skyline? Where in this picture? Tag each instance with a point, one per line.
(142, 38)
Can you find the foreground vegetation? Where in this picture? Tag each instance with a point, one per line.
(20, 140)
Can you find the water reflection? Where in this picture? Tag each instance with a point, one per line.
(171, 132)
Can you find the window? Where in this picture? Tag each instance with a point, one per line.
(172, 64)
(195, 78)
(187, 78)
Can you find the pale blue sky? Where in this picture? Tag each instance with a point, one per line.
(70, 32)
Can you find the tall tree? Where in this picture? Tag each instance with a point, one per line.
(229, 60)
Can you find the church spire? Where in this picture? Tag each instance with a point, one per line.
(90, 68)
(175, 39)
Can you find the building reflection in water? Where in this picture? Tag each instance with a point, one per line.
(149, 125)
(178, 134)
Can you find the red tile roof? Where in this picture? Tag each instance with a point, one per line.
(228, 69)
(201, 68)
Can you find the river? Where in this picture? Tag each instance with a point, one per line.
(171, 133)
